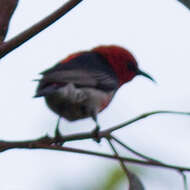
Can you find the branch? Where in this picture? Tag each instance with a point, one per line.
(48, 143)
(7, 8)
(143, 116)
(90, 135)
(135, 178)
(184, 180)
(55, 144)
(107, 132)
(120, 160)
(134, 181)
(133, 151)
(126, 159)
(21, 38)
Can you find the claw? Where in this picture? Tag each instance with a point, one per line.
(95, 134)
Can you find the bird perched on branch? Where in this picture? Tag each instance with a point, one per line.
(84, 83)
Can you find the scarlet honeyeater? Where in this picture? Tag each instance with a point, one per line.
(84, 83)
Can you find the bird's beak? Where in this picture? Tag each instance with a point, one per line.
(139, 72)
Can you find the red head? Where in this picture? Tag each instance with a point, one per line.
(122, 62)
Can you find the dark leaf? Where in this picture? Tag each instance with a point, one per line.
(7, 8)
(134, 182)
(185, 2)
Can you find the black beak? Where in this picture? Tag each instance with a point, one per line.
(139, 72)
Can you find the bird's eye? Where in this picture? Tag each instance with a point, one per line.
(131, 66)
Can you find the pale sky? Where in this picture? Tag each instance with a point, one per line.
(157, 32)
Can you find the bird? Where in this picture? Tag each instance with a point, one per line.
(83, 84)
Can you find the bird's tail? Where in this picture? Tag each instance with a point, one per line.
(45, 91)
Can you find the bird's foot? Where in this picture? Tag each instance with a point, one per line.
(58, 136)
(95, 134)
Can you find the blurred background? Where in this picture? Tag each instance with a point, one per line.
(157, 32)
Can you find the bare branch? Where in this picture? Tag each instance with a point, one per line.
(143, 116)
(134, 181)
(184, 180)
(55, 144)
(120, 160)
(107, 132)
(133, 151)
(49, 144)
(104, 155)
(7, 8)
(21, 38)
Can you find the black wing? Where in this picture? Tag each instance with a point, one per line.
(87, 70)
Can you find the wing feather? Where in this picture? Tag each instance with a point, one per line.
(77, 73)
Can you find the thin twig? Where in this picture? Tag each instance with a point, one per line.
(21, 38)
(143, 116)
(184, 180)
(133, 151)
(123, 166)
(126, 159)
(107, 132)
(134, 181)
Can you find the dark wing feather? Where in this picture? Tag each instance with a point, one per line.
(77, 71)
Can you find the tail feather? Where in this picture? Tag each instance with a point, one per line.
(45, 91)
